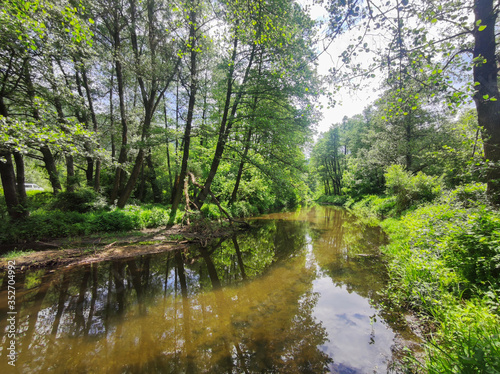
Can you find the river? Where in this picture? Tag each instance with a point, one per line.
(298, 293)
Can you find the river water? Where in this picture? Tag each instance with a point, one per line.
(296, 294)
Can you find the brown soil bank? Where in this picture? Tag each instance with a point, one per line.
(84, 250)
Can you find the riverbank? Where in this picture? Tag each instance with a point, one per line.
(95, 248)
(444, 266)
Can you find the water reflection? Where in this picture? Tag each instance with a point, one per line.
(291, 296)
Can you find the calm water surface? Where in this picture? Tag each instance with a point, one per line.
(297, 294)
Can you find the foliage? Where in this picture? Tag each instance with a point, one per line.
(444, 263)
(82, 200)
(410, 190)
(211, 211)
(43, 224)
(243, 209)
(334, 200)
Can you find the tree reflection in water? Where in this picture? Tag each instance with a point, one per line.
(244, 305)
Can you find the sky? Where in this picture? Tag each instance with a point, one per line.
(348, 103)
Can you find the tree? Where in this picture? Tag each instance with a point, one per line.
(267, 40)
(27, 110)
(440, 38)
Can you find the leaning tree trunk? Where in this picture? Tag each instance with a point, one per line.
(486, 74)
(120, 173)
(240, 169)
(48, 157)
(226, 122)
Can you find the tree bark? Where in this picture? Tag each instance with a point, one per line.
(50, 166)
(70, 174)
(486, 74)
(189, 120)
(9, 185)
(120, 173)
(152, 180)
(226, 121)
(240, 169)
(20, 180)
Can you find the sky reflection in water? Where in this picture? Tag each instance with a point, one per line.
(291, 296)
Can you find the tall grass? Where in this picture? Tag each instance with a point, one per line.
(445, 265)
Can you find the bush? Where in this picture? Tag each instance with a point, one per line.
(210, 211)
(445, 264)
(43, 224)
(82, 200)
(477, 250)
(243, 209)
(411, 190)
(39, 199)
(470, 194)
(338, 200)
(116, 220)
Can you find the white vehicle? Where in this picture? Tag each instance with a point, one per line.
(32, 187)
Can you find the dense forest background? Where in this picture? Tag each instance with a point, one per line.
(127, 98)
(125, 102)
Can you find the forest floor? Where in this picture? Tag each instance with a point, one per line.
(111, 246)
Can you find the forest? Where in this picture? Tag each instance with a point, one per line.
(138, 114)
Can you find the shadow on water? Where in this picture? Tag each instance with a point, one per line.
(294, 295)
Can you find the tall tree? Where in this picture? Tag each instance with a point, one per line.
(440, 37)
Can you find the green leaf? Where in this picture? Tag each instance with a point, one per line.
(481, 28)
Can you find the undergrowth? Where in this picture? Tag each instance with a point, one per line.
(444, 264)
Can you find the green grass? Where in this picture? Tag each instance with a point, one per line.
(43, 224)
(444, 263)
(16, 253)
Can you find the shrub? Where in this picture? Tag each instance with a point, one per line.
(39, 199)
(411, 190)
(243, 209)
(477, 250)
(43, 224)
(210, 211)
(338, 200)
(445, 264)
(470, 194)
(116, 220)
(81, 200)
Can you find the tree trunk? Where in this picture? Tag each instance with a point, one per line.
(486, 74)
(120, 173)
(153, 181)
(50, 166)
(226, 123)
(129, 187)
(240, 169)
(9, 186)
(70, 174)
(97, 176)
(189, 120)
(97, 170)
(20, 179)
(48, 158)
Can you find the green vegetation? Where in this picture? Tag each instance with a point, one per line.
(444, 264)
(141, 114)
